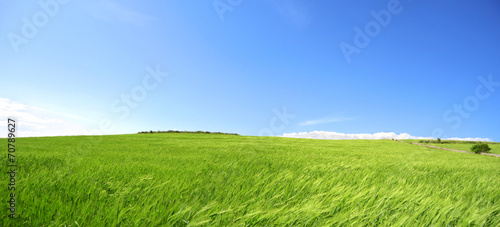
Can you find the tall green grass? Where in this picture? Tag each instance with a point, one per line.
(202, 180)
(495, 148)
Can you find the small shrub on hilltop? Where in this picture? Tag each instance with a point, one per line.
(192, 132)
(479, 148)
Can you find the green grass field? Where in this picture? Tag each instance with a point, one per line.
(225, 180)
(495, 148)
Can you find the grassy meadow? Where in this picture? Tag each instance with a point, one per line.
(229, 180)
(495, 148)
(461, 145)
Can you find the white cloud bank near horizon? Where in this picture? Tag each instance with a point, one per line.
(367, 136)
(35, 122)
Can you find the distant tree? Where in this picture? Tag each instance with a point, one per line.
(439, 140)
(479, 148)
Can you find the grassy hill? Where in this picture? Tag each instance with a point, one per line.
(495, 148)
(208, 179)
(461, 145)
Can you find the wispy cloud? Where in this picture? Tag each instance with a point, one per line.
(367, 136)
(470, 139)
(325, 121)
(107, 10)
(34, 121)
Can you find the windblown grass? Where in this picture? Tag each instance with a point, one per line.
(201, 180)
(495, 148)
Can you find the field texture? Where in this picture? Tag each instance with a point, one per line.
(201, 180)
(460, 145)
(495, 148)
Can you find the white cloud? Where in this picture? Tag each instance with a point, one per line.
(471, 139)
(33, 121)
(324, 121)
(374, 136)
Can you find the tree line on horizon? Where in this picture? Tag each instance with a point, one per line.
(195, 132)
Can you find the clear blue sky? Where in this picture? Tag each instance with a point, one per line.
(231, 70)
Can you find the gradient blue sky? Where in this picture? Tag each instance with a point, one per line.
(239, 73)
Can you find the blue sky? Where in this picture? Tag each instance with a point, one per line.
(264, 67)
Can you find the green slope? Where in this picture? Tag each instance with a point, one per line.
(461, 145)
(495, 148)
(200, 180)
